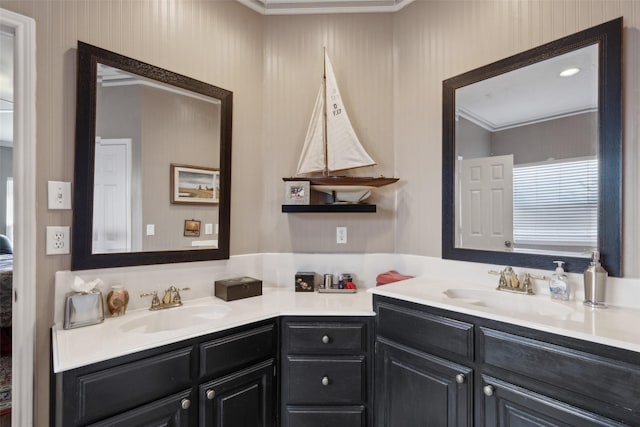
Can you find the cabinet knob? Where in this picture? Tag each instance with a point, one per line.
(460, 378)
(325, 380)
(185, 403)
(488, 390)
(326, 339)
(211, 394)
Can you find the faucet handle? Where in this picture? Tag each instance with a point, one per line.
(176, 295)
(155, 301)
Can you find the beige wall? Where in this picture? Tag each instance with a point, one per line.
(390, 69)
(436, 40)
(218, 42)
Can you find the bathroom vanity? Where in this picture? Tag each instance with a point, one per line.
(477, 356)
(463, 370)
(227, 378)
(221, 369)
(458, 356)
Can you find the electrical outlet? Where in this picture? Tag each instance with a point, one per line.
(57, 240)
(341, 235)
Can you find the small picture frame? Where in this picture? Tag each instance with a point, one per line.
(296, 192)
(191, 228)
(194, 185)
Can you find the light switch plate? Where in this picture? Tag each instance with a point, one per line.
(59, 195)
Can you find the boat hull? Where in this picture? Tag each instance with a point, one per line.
(345, 193)
(340, 181)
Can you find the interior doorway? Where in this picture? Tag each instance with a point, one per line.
(19, 33)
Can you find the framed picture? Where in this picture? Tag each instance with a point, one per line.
(296, 192)
(191, 228)
(194, 185)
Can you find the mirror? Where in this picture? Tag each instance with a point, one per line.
(532, 158)
(152, 166)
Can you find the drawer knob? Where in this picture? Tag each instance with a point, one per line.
(460, 378)
(488, 390)
(211, 394)
(185, 403)
(326, 339)
(325, 380)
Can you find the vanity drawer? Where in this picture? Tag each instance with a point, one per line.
(326, 416)
(111, 391)
(611, 381)
(220, 356)
(324, 337)
(424, 331)
(336, 380)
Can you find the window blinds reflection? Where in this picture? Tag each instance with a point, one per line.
(555, 203)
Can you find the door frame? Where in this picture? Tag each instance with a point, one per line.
(24, 262)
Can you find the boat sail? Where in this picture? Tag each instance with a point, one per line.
(332, 145)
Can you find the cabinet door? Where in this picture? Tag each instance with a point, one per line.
(508, 405)
(242, 399)
(417, 389)
(172, 411)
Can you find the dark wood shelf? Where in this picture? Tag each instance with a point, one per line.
(360, 207)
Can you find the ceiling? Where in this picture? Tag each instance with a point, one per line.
(306, 7)
(534, 93)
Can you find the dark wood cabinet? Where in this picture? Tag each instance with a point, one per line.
(168, 386)
(242, 399)
(326, 371)
(506, 404)
(413, 388)
(170, 411)
(513, 376)
(421, 373)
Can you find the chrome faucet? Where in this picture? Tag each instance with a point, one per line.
(509, 281)
(170, 299)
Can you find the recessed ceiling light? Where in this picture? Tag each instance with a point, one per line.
(569, 72)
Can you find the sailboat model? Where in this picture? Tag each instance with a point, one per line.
(332, 145)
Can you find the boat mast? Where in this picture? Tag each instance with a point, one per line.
(325, 171)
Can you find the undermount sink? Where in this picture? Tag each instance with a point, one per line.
(176, 318)
(511, 302)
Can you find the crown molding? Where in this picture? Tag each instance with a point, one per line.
(306, 7)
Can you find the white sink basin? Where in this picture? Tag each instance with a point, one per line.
(511, 302)
(176, 318)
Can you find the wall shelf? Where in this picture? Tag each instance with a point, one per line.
(361, 207)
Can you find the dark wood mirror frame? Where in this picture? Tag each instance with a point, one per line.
(82, 257)
(608, 36)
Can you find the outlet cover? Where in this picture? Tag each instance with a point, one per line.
(341, 235)
(59, 195)
(58, 240)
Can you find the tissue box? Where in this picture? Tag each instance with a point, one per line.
(305, 281)
(83, 309)
(237, 288)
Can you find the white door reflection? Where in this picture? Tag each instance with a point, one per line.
(112, 196)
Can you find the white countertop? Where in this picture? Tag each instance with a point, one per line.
(74, 348)
(614, 326)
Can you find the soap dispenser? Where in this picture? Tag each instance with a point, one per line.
(595, 281)
(559, 283)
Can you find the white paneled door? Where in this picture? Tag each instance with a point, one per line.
(486, 203)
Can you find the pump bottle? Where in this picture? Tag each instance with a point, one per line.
(559, 283)
(595, 282)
